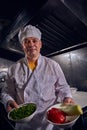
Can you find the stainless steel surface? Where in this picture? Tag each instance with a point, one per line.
(62, 26)
(80, 98)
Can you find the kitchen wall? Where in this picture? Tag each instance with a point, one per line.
(74, 66)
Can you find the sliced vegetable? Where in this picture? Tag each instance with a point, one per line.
(71, 109)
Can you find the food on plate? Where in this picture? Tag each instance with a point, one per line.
(23, 111)
(56, 115)
(71, 109)
(67, 120)
(60, 113)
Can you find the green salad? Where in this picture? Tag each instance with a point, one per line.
(23, 111)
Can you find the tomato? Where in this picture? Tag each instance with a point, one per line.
(55, 115)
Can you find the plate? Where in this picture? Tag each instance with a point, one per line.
(24, 113)
(69, 122)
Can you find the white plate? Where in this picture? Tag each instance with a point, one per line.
(70, 120)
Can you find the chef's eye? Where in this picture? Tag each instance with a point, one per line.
(35, 40)
(26, 41)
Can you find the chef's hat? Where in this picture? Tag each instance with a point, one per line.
(29, 31)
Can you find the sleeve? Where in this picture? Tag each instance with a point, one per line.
(62, 87)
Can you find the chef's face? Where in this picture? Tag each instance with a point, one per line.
(31, 47)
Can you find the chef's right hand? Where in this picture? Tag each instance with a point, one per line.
(10, 105)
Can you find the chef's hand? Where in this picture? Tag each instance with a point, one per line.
(10, 105)
(68, 100)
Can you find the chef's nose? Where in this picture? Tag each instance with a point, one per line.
(31, 43)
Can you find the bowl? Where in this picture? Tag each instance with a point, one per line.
(24, 113)
(69, 122)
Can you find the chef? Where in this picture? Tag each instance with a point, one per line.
(34, 78)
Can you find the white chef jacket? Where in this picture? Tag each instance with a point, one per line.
(43, 86)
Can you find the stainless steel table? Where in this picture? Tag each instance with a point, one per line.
(80, 98)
